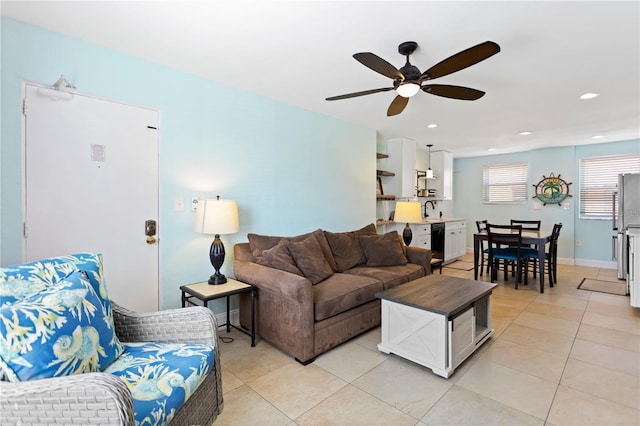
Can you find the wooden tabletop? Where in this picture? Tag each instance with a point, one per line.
(443, 294)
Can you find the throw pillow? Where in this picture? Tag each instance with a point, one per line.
(60, 331)
(346, 249)
(260, 243)
(383, 250)
(310, 259)
(370, 229)
(20, 281)
(278, 257)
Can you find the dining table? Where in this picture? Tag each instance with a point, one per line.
(530, 238)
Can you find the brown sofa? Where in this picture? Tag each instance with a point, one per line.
(317, 290)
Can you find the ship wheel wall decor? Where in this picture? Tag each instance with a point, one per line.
(552, 190)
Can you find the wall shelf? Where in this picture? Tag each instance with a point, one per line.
(385, 197)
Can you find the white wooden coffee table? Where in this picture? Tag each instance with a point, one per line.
(436, 321)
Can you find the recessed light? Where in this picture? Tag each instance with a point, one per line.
(597, 137)
(432, 126)
(589, 95)
(526, 133)
(491, 149)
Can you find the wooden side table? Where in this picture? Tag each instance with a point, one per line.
(205, 292)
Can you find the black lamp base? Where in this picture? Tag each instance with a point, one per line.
(217, 278)
(407, 235)
(216, 256)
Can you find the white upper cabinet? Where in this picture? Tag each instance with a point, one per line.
(442, 166)
(402, 162)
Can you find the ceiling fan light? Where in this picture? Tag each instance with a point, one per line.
(407, 90)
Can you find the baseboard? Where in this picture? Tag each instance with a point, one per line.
(234, 317)
(604, 264)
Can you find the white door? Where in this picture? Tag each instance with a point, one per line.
(91, 183)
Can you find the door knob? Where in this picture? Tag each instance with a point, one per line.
(150, 231)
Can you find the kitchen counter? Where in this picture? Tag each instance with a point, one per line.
(442, 220)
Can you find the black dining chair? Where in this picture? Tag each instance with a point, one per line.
(484, 252)
(550, 257)
(505, 243)
(530, 225)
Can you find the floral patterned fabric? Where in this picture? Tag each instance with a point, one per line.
(24, 280)
(161, 376)
(61, 330)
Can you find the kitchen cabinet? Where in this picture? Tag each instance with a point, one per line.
(421, 235)
(442, 166)
(402, 163)
(455, 240)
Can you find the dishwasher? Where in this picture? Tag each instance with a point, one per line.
(437, 240)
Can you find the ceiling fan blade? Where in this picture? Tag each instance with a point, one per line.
(462, 60)
(397, 105)
(379, 65)
(454, 92)
(353, 95)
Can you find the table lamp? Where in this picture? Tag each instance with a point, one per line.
(408, 212)
(217, 217)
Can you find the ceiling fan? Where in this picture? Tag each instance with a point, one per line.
(408, 80)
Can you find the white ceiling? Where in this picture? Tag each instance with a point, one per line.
(300, 53)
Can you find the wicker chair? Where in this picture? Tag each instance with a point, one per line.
(102, 398)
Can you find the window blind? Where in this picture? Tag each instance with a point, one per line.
(505, 183)
(598, 182)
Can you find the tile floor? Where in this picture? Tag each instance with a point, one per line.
(565, 357)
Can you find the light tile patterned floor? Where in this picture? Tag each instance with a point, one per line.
(565, 357)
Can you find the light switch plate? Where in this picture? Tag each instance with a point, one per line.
(194, 204)
(178, 204)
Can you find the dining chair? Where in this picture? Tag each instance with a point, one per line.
(505, 243)
(550, 257)
(529, 225)
(484, 252)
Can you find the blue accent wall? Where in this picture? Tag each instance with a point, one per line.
(594, 235)
(291, 170)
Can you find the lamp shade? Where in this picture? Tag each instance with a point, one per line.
(217, 217)
(408, 212)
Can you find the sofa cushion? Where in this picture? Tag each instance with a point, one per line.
(346, 249)
(310, 259)
(383, 250)
(391, 276)
(342, 292)
(260, 243)
(278, 257)
(161, 377)
(60, 331)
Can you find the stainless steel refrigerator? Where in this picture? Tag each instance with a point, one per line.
(626, 214)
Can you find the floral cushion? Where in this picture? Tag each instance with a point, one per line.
(64, 329)
(161, 377)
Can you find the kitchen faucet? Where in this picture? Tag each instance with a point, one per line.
(433, 206)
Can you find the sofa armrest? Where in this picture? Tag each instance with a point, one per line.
(420, 256)
(194, 324)
(79, 399)
(285, 307)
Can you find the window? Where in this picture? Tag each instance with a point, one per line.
(505, 183)
(598, 182)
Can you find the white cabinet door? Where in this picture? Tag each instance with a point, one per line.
(442, 165)
(455, 240)
(402, 162)
(462, 339)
